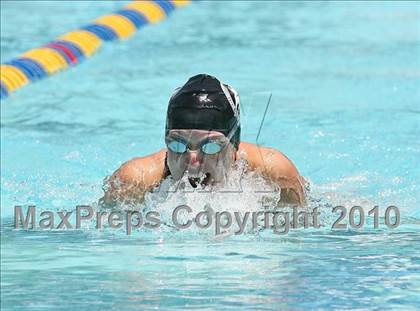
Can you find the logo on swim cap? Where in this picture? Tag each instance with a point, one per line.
(205, 103)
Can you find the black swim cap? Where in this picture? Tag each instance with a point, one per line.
(204, 103)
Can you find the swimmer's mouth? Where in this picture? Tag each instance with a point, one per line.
(195, 181)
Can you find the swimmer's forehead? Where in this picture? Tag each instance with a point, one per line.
(197, 134)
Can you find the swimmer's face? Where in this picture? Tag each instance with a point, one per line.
(197, 163)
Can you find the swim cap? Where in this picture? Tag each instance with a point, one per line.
(205, 103)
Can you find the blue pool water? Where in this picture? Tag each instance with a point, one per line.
(345, 81)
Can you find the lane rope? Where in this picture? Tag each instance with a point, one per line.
(73, 47)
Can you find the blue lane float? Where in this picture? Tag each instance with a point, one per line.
(136, 18)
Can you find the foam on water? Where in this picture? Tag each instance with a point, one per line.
(242, 189)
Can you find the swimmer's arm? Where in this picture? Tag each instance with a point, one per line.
(129, 184)
(278, 168)
(124, 186)
(275, 166)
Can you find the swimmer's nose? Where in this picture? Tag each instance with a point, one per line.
(194, 158)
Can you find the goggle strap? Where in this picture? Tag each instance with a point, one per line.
(230, 100)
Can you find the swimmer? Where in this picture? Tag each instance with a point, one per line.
(202, 137)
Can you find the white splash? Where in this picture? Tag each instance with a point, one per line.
(244, 191)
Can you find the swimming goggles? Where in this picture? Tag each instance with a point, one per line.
(209, 146)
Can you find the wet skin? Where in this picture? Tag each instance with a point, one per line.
(136, 177)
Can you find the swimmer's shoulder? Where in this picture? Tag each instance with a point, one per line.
(259, 156)
(277, 167)
(144, 170)
(134, 178)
